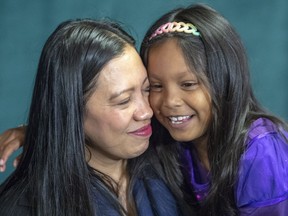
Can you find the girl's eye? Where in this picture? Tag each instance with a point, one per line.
(189, 85)
(155, 87)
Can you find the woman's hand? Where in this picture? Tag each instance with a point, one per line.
(10, 141)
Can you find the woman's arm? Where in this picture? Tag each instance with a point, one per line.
(10, 140)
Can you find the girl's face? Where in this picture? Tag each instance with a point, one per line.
(179, 101)
(117, 116)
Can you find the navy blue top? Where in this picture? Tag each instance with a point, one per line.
(151, 196)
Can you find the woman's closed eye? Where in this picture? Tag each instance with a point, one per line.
(147, 89)
(124, 102)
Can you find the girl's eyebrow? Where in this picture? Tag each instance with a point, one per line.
(184, 73)
(180, 74)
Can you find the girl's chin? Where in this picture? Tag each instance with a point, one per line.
(180, 137)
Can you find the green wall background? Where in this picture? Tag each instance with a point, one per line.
(25, 26)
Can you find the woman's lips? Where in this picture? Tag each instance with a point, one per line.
(144, 131)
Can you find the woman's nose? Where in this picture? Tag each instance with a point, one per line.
(143, 111)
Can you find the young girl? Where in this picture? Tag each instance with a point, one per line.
(234, 154)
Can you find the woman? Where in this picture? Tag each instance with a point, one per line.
(88, 118)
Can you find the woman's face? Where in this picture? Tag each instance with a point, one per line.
(117, 116)
(179, 101)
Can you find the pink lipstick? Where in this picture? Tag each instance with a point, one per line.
(144, 131)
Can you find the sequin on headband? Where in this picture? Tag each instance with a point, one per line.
(176, 27)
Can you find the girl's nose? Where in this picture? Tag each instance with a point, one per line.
(171, 99)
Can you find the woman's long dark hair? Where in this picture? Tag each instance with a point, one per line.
(53, 170)
(219, 59)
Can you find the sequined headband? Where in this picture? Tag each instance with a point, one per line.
(176, 27)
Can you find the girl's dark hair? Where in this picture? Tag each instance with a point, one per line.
(53, 170)
(220, 61)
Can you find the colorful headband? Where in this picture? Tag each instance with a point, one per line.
(176, 27)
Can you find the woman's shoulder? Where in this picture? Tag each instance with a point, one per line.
(263, 168)
(153, 196)
(18, 205)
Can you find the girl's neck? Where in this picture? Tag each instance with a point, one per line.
(202, 152)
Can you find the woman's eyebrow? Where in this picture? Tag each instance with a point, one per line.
(117, 94)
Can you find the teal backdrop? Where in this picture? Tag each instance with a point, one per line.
(25, 26)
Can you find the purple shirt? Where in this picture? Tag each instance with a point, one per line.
(262, 186)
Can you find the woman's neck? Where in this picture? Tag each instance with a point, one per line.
(116, 169)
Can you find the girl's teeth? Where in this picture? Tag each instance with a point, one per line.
(178, 119)
(173, 118)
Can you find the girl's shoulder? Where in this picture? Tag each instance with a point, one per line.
(263, 168)
(262, 127)
(265, 140)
